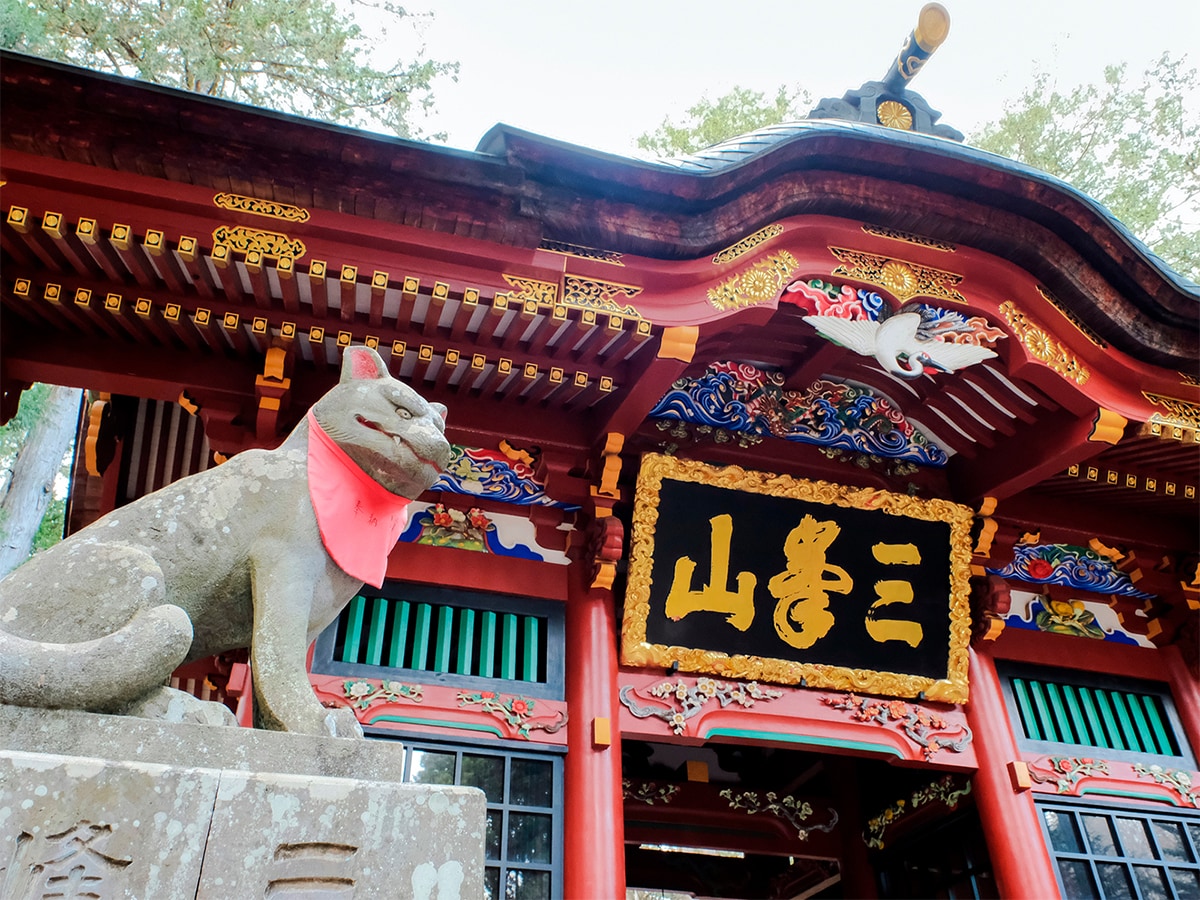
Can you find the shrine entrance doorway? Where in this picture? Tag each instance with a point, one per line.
(742, 821)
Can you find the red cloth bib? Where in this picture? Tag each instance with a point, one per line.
(359, 519)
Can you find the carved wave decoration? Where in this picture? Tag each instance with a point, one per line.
(741, 398)
(491, 475)
(1075, 567)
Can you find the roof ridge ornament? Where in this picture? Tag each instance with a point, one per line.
(888, 102)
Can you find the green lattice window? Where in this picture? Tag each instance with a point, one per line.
(461, 637)
(1119, 717)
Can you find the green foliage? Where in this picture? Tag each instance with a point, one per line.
(14, 432)
(50, 529)
(1132, 145)
(307, 57)
(19, 24)
(709, 122)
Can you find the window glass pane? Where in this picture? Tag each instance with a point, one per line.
(1115, 881)
(1100, 835)
(1077, 880)
(520, 885)
(532, 783)
(1064, 833)
(1194, 831)
(1187, 883)
(429, 767)
(491, 883)
(1172, 842)
(529, 837)
(1153, 882)
(1135, 838)
(495, 828)
(485, 772)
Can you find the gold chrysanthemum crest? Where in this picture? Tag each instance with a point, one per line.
(759, 284)
(1042, 346)
(902, 279)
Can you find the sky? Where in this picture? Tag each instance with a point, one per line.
(600, 74)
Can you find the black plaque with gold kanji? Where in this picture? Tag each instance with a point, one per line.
(786, 580)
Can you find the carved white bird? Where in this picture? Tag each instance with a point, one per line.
(899, 343)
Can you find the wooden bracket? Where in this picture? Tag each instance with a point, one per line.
(610, 468)
(602, 731)
(1018, 773)
(272, 389)
(604, 547)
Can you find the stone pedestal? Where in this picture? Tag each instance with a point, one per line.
(108, 806)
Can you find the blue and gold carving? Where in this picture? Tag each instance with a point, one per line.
(741, 398)
(1074, 567)
(490, 475)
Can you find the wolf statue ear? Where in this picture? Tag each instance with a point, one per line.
(362, 363)
(439, 409)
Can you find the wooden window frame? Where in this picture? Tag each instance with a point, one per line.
(508, 750)
(1189, 820)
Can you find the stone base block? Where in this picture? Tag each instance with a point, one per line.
(99, 825)
(73, 733)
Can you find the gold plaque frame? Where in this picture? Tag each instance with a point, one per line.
(636, 651)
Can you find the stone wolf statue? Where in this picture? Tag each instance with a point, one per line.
(262, 551)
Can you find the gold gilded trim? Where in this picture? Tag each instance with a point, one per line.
(1180, 413)
(612, 257)
(603, 296)
(269, 243)
(903, 279)
(746, 244)
(269, 208)
(1042, 346)
(893, 234)
(1072, 318)
(636, 651)
(545, 293)
(761, 283)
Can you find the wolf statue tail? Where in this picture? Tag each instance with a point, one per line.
(100, 675)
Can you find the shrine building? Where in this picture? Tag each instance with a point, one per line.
(822, 515)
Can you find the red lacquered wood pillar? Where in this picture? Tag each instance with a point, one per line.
(1020, 860)
(594, 836)
(1185, 690)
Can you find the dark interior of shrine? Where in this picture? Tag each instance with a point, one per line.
(775, 822)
